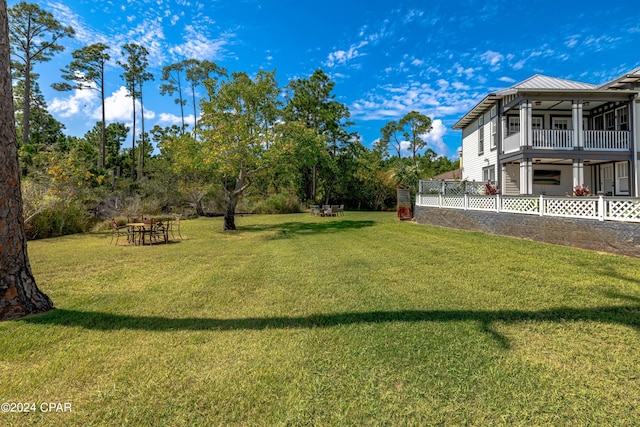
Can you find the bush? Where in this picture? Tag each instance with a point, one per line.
(60, 220)
(278, 204)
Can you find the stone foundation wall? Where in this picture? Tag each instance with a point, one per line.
(607, 236)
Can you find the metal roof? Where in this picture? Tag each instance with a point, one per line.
(542, 83)
(551, 83)
(624, 80)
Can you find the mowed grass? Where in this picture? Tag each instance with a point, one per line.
(299, 320)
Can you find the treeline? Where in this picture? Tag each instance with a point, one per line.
(243, 146)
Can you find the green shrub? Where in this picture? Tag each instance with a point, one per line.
(278, 204)
(60, 220)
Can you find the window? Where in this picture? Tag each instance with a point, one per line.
(489, 174)
(481, 136)
(622, 178)
(513, 124)
(609, 120)
(494, 111)
(494, 133)
(623, 118)
(560, 123)
(536, 122)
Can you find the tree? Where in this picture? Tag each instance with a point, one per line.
(172, 74)
(86, 71)
(409, 130)
(414, 125)
(46, 131)
(197, 73)
(390, 135)
(114, 135)
(240, 119)
(34, 34)
(19, 294)
(310, 101)
(135, 75)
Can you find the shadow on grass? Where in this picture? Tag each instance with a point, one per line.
(329, 225)
(627, 315)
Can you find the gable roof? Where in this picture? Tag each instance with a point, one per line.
(624, 80)
(551, 83)
(540, 82)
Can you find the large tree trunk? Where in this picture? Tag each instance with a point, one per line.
(229, 222)
(19, 295)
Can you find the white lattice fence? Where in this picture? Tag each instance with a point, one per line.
(476, 188)
(614, 209)
(453, 202)
(428, 200)
(454, 188)
(623, 210)
(525, 205)
(430, 187)
(482, 203)
(583, 207)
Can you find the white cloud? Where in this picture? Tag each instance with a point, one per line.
(80, 102)
(392, 102)
(435, 137)
(468, 72)
(572, 41)
(494, 59)
(460, 86)
(341, 57)
(198, 46)
(118, 107)
(167, 119)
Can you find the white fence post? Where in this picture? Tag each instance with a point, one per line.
(466, 201)
(498, 203)
(541, 205)
(601, 208)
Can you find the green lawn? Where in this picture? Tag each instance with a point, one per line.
(300, 320)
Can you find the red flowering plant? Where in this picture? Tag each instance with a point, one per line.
(581, 190)
(490, 190)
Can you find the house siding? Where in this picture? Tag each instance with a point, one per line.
(473, 163)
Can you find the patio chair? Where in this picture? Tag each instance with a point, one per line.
(315, 210)
(174, 224)
(159, 232)
(339, 210)
(118, 231)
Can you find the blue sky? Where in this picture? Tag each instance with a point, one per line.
(386, 58)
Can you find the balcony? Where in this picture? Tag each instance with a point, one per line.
(559, 139)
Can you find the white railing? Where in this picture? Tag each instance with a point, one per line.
(562, 139)
(452, 188)
(626, 209)
(606, 140)
(552, 139)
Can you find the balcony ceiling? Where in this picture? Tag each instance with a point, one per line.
(554, 105)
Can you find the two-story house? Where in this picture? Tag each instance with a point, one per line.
(547, 135)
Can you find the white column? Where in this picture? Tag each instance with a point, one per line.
(503, 132)
(576, 118)
(578, 173)
(524, 141)
(526, 176)
(529, 129)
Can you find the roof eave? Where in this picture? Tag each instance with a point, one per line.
(475, 111)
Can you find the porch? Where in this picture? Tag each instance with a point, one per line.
(562, 139)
